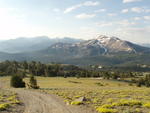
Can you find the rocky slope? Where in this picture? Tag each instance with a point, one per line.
(94, 47)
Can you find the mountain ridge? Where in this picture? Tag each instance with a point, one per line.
(102, 50)
(100, 45)
(23, 44)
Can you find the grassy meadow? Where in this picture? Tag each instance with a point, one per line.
(105, 96)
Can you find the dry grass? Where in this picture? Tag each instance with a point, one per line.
(102, 95)
(105, 96)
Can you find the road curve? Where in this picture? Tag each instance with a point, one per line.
(37, 102)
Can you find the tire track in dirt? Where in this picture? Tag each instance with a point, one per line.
(37, 102)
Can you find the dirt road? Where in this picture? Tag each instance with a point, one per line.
(37, 102)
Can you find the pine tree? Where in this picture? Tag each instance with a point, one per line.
(33, 83)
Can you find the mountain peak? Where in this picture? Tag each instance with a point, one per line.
(104, 37)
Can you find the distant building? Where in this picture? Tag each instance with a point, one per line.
(100, 67)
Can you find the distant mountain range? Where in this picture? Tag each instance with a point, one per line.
(146, 44)
(23, 44)
(102, 50)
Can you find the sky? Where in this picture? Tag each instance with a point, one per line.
(85, 19)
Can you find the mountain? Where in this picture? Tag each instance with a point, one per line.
(103, 50)
(100, 46)
(31, 44)
(146, 45)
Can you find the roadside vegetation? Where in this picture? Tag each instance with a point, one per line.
(8, 100)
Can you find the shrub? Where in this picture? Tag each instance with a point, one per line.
(127, 103)
(110, 100)
(17, 82)
(99, 84)
(15, 101)
(106, 110)
(76, 103)
(4, 106)
(147, 105)
(11, 98)
(107, 106)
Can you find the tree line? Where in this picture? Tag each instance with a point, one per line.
(24, 69)
(57, 70)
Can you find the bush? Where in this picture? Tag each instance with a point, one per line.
(106, 110)
(99, 84)
(144, 81)
(76, 103)
(33, 83)
(4, 106)
(17, 82)
(147, 105)
(124, 102)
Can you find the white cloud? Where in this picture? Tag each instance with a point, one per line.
(85, 16)
(126, 22)
(134, 34)
(129, 1)
(90, 3)
(121, 23)
(147, 17)
(68, 10)
(112, 14)
(137, 10)
(137, 18)
(87, 3)
(125, 29)
(100, 10)
(125, 11)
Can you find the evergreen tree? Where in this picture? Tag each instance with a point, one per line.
(33, 83)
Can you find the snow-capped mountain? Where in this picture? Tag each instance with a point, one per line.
(109, 44)
(98, 46)
(101, 50)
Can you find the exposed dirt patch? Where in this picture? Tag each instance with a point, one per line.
(37, 102)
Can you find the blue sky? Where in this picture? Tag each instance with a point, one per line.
(86, 19)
